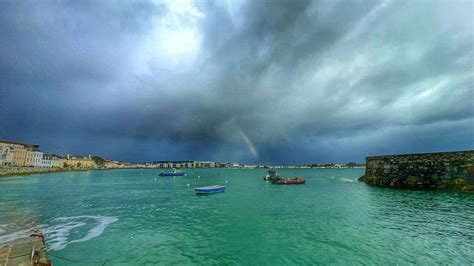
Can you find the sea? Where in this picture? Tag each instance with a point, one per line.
(135, 217)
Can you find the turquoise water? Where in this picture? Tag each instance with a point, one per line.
(136, 217)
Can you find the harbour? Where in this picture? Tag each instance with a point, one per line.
(130, 216)
(211, 132)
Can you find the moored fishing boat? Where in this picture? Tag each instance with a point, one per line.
(209, 189)
(271, 174)
(172, 173)
(294, 181)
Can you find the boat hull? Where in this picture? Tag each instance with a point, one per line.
(171, 174)
(209, 190)
(269, 178)
(294, 181)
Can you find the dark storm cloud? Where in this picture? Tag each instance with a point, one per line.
(305, 81)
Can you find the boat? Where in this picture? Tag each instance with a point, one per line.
(209, 189)
(172, 173)
(271, 174)
(294, 181)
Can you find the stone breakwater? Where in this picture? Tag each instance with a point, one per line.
(443, 170)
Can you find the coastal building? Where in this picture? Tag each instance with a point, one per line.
(47, 161)
(205, 164)
(188, 164)
(6, 154)
(80, 161)
(161, 164)
(20, 154)
(174, 164)
(221, 165)
(7, 151)
(34, 157)
(57, 161)
(199, 164)
(113, 164)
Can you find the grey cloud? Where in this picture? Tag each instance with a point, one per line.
(305, 80)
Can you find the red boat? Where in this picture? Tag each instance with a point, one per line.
(294, 181)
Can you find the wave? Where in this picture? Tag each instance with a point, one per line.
(57, 236)
(16, 235)
(342, 179)
(2, 228)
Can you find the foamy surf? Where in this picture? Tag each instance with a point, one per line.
(5, 238)
(58, 233)
(342, 179)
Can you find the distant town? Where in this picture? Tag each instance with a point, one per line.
(19, 154)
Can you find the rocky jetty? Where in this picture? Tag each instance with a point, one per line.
(444, 170)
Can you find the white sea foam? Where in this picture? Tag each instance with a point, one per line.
(342, 179)
(58, 235)
(15, 235)
(2, 230)
(60, 239)
(98, 229)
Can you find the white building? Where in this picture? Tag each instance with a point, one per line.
(47, 161)
(205, 164)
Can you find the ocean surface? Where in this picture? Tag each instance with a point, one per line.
(130, 217)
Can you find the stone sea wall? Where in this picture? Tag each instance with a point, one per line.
(18, 171)
(443, 170)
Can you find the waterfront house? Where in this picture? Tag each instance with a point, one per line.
(161, 164)
(174, 164)
(51, 160)
(34, 156)
(205, 164)
(80, 161)
(20, 154)
(188, 164)
(7, 152)
(47, 161)
(57, 161)
(221, 165)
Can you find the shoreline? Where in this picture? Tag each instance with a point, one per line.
(26, 171)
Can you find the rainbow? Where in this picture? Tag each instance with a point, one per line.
(249, 143)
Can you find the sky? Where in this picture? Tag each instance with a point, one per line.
(277, 82)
